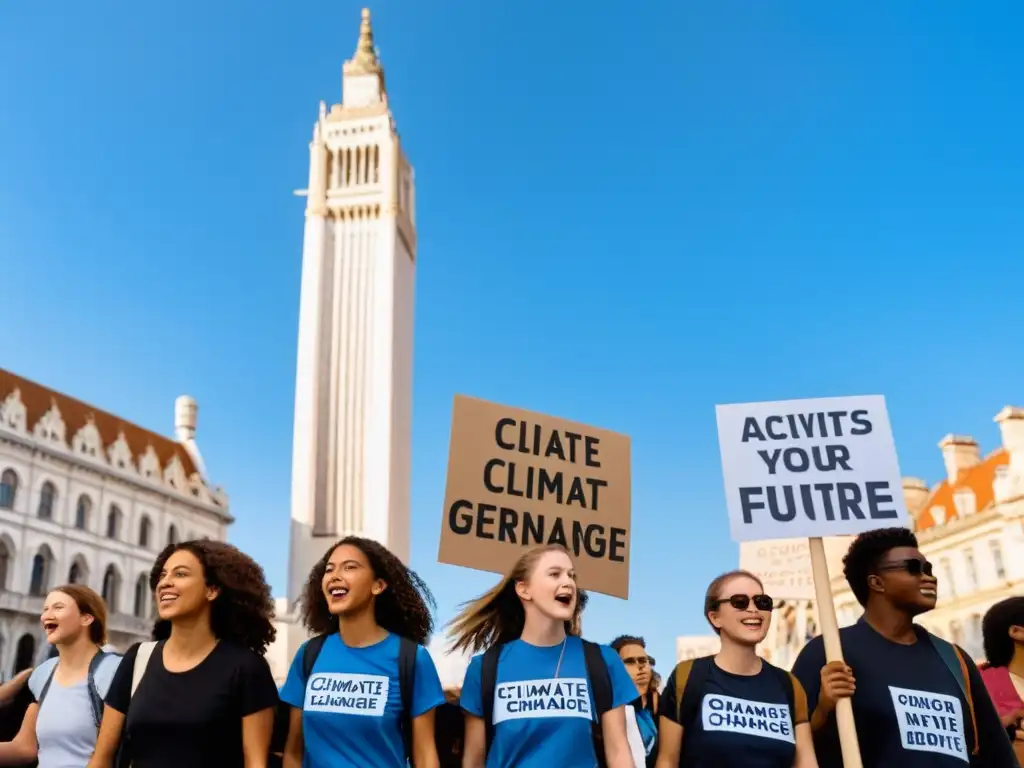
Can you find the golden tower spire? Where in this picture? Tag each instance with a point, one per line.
(364, 61)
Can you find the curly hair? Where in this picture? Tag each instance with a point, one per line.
(243, 612)
(405, 608)
(867, 551)
(622, 641)
(995, 630)
(498, 617)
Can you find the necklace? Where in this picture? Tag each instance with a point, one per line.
(561, 653)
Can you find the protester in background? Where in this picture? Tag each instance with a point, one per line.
(561, 700)
(641, 726)
(372, 616)
(704, 707)
(202, 694)
(656, 682)
(60, 725)
(1003, 635)
(918, 701)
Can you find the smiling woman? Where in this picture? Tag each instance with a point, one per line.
(364, 690)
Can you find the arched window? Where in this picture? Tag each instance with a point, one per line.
(24, 657)
(82, 511)
(42, 564)
(111, 587)
(172, 535)
(78, 574)
(8, 489)
(47, 497)
(5, 564)
(144, 531)
(142, 600)
(114, 522)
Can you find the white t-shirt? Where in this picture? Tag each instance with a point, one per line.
(65, 728)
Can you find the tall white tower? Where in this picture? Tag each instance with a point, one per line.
(353, 387)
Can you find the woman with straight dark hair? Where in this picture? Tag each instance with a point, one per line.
(60, 725)
(540, 696)
(201, 695)
(363, 691)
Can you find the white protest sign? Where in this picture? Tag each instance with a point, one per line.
(784, 565)
(809, 468)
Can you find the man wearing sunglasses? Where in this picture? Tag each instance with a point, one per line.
(918, 701)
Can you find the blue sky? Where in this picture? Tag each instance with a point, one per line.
(625, 217)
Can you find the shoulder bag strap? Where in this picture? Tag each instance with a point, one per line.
(407, 651)
(488, 682)
(46, 685)
(94, 694)
(310, 653)
(142, 658)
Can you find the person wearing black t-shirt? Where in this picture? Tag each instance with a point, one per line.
(205, 696)
(909, 688)
(734, 709)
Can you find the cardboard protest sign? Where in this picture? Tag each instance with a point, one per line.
(784, 565)
(517, 479)
(809, 468)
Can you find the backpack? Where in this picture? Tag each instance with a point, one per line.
(690, 678)
(95, 700)
(955, 662)
(600, 688)
(407, 650)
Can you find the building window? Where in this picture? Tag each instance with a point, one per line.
(111, 586)
(172, 536)
(996, 550)
(25, 656)
(947, 575)
(39, 583)
(142, 599)
(114, 522)
(47, 496)
(8, 489)
(144, 529)
(972, 570)
(975, 641)
(76, 574)
(965, 502)
(82, 510)
(5, 564)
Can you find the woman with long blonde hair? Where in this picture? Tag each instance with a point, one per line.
(540, 696)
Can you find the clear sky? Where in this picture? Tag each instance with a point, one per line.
(627, 214)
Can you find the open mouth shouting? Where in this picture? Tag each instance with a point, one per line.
(337, 593)
(565, 598)
(754, 622)
(930, 592)
(168, 598)
(50, 626)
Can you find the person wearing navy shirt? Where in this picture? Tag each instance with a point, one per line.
(734, 709)
(350, 711)
(541, 709)
(918, 701)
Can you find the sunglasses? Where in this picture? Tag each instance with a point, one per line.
(637, 661)
(742, 602)
(914, 566)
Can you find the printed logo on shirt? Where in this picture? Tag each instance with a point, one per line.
(751, 718)
(930, 722)
(345, 694)
(527, 699)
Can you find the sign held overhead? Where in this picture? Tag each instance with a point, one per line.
(517, 479)
(809, 468)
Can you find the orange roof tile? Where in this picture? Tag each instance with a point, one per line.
(978, 479)
(37, 400)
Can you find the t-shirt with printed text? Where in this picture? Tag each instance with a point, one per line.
(908, 706)
(352, 706)
(541, 720)
(191, 718)
(742, 721)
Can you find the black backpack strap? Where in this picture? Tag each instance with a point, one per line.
(488, 682)
(601, 690)
(46, 685)
(407, 650)
(310, 653)
(94, 693)
(785, 679)
(688, 700)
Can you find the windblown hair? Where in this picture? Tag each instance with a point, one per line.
(89, 604)
(243, 612)
(866, 553)
(712, 596)
(995, 630)
(405, 608)
(498, 616)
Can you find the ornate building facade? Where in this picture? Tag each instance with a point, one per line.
(970, 526)
(89, 498)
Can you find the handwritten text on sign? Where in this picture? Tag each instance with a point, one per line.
(808, 468)
(517, 479)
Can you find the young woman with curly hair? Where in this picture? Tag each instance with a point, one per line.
(202, 694)
(531, 701)
(351, 707)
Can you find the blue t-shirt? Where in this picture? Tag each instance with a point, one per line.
(541, 721)
(352, 706)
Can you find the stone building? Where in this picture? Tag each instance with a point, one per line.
(89, 498)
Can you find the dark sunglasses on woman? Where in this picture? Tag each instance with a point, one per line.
(742, 602)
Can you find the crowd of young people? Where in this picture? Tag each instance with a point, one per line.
(364, 691)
